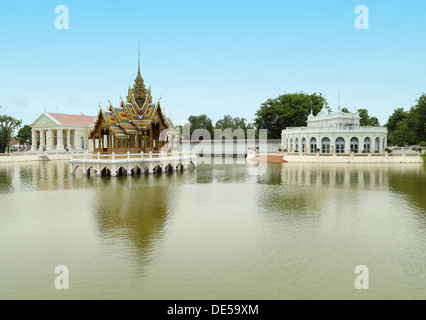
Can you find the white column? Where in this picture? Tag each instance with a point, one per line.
(361, 144)
(49, 140)
(64, 140)
(76, 146)
(67, 144)
(34, 140)
(69, 141)
(42, 142)
(347, 144)
(60, 145)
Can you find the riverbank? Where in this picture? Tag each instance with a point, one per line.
(353, 158)
(31, 157)
(270, 157)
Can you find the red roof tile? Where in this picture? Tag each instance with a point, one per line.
(72, 120)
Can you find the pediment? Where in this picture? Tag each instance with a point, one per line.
(44, 121)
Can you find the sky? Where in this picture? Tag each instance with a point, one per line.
(210, 57)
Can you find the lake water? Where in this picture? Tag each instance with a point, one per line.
(291, 231)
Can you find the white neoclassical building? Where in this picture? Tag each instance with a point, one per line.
(334, 133)
(61, 132)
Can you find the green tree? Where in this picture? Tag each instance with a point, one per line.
(201, 122)
(414, 124)
(288, 110)
(24, 134)
(374, 122)
(228, 122)
(366, 120)
(410, 124)
(397, 137)
(345, 110)
(397, 116)
(8, 125)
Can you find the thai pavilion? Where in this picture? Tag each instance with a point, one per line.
(137, 125)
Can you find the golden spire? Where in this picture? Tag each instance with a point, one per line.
(139, 91)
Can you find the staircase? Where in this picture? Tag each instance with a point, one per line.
(43, 157)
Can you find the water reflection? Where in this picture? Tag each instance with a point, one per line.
(348, 176)
(133, 212)
(215, 232)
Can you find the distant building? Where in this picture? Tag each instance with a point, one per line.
(14, 146)
(60, 132)
(338, 132)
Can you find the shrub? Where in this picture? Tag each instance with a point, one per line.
(296, 151)
(364, 151)
(388, 150)
(279, 150)
(317, 150)
(422, 144)
(376, 151)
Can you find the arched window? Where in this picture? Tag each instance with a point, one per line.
(291, 145)
(313, 145)
(297, 145)
(354, 145)
(377, 145)
(325, 145)
(340, 145)
(304, 145)
(367, 145)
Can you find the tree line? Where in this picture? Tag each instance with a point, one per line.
(8, 128)
(288, 110)
(408, 127)
(293, 109)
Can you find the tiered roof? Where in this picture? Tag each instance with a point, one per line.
(135, 115)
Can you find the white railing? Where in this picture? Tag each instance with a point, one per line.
(335, 129)
(129, 157)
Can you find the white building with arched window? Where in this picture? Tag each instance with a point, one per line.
(336, 133)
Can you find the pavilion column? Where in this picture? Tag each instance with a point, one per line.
(76, 146)
(49, 140)
(60, 145)
(66, 138)
(150, 138)
(60, 134)
(42, 139)
(34, 140)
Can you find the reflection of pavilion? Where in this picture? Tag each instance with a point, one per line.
(140, 222)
